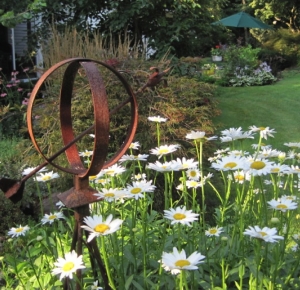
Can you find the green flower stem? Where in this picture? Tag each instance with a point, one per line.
(158, 133)
(33, 267)
(107, 267)
(39, 196)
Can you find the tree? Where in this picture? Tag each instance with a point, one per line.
(185, 26)
(283, 13)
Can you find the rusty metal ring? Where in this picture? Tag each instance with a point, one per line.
(101, 116)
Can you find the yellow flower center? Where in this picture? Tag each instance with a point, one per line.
(52, 217)
(136, 190)
(163, 151)
(263, 234)
(19, 230)
(239, 177)
(281, 206)
(68, 266)
(182, 263)
(258, 165)
(261, 128)
(109, 194)
(101, 228)
(100, 181)
(193, 183)
(179, 216)
(230, 165)
(92, 177)
(213, 231)
(193, 173)
(110, 172)
(45, 178)
(275, 170)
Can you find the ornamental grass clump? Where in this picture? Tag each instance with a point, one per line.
(251, 241)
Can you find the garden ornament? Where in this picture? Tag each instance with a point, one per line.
(155, 78)
(81, 194)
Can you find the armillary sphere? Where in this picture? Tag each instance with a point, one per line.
(81, 195)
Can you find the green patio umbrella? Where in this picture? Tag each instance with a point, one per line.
(242, 19)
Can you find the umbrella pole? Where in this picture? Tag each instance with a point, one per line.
(246, 36)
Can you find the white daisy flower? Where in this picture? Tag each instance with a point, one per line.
(92, 135)
(258, 167)
(134, 145)
(177, 261)
(227, 163)
(193, 184)
(163, 150)
(221, 151)
(86, 153)
(157, 119)
(98, 227)
(280, 168)
(195, 135)
(214, 231)
(163, 167)
(110, 195)
(139, 176)
(282, 204)
(50, 218)
(293, 145)
(289, 197)
(235, 134)
(266, 234)
(282, 156)
(240, 176)
(268, 153)
(114, 170)
(95, 286)
(180, 215)
(139, 157)
(102, 181)
(262, 146)
(20, 231)
(180, 187)
(193, 174)
(60, 204)
(30, 169)
(215, 158)
(291, 155)
(68, 265)
(294, 170)
(44, 177)
(237, 153)
(137, 189)
(263, 131)
(185, 163)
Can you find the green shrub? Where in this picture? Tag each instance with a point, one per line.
(284, 41)
(278, 61)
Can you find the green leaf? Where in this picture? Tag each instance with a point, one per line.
(128, 282)
(137, 285)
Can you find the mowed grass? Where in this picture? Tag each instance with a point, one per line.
(276, 106)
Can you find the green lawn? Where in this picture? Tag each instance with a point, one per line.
(276, 106)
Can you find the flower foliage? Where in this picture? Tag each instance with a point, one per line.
(243, 76)
(253, 228)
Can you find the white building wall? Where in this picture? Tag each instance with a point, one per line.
(20, 32)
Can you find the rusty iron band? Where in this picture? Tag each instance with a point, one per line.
(101, 116)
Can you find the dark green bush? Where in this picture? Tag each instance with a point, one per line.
(286, 44)
(278, 61)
